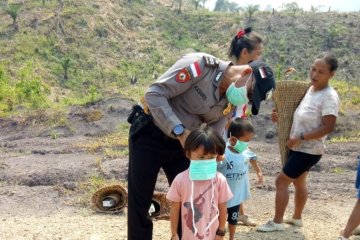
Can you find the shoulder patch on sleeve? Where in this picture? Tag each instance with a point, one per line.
(211, 62)
(195, 69)
(183, 76)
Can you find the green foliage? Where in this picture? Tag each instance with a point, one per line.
(292, 7)
(226, 6)
(349, 94)
(333, 32)
(66, 63)
(30, 89)
(6, 92)
(13, 11)
(93, 94)
(100, 54)
(250, 10)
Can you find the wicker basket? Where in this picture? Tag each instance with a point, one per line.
(287, 97)
(162, 206)
(116, 192)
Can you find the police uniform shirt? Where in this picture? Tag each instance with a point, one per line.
(188, 94)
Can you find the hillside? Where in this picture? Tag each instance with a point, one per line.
(66, 52)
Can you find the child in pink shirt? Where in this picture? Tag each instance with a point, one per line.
(200, 192)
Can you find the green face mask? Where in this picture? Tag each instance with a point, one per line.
(236, 96)
(240, 146)
(202, 169)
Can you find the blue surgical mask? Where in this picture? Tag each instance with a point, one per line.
(236, 96)
(240, 146)
(202, 169)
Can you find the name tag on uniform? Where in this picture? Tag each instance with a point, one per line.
(218, 76)
(211, 62)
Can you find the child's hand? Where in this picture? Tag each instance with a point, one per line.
(260, 177)
(175, 237)
(220, 158)
(274, 115)
(232, 141)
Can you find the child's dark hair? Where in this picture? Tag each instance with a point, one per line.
(238, 127)
(244, 39)
(330, 59)
(206, 137)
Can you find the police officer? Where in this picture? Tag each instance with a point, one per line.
(197, 89)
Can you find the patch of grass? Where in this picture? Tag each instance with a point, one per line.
(113, 145)
(338, 170)
(349, 94)
(93, 115)
(54, 134)
(344, 139)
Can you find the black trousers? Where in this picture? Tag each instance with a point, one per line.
(149, 150)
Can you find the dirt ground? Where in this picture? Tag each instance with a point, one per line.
(41, 197)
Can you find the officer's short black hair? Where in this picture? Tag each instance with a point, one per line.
(238, 127)
(206, 137)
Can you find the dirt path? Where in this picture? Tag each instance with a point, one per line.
(46, 180)
(40, 196)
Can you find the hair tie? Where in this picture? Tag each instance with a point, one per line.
(240, 34)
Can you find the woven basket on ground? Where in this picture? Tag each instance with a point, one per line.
(287, 97)
(115, 192)
(162, 206)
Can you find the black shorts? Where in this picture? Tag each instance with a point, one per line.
(233, 214)
(298, 163)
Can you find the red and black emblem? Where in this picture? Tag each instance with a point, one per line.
(183, 76)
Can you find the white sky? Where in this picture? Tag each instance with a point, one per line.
(336, 5)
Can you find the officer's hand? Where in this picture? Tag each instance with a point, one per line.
(274, 115)
(182, 138)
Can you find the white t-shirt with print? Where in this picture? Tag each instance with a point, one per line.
(307, 117)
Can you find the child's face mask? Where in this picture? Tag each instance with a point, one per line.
(202, 169)
(240, 146)
(237, 96)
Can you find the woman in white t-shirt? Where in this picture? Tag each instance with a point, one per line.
(314, 118)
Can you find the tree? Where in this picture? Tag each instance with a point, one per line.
(291, 7)
(203, 2)
(233, 7)
(315, 9)
(13, 11)
(226, 6)
(250, 10)
(66, 63)
(220, 5)
(196, 3)
(180, 3)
